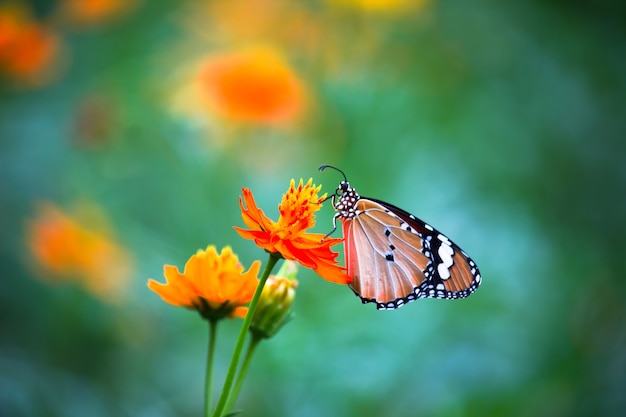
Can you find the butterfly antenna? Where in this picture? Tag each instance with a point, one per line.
(323, 167)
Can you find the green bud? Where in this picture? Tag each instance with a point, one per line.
(273, 310)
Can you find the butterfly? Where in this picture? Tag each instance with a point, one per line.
(393, 257)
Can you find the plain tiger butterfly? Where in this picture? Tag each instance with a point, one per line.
(393, 257)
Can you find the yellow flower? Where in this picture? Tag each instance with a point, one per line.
(212, 283)
(273, 310)
(288, 236)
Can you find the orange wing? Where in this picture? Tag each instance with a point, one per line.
(394, 258)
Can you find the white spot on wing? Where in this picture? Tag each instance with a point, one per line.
(445, 253)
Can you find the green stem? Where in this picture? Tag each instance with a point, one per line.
(230, 376)
(242, 373)
(208, 377)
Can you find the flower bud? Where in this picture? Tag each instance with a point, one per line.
(273, 309)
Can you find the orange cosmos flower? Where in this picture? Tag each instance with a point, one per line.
(68, 249)
(254, 85)
(28, 49)
(212, 283)
(288, 236)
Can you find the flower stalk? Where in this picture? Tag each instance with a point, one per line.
(220, 408)
(254, 342)
(208, 377)
(272, 312)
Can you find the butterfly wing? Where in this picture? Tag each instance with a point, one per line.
(394, 258)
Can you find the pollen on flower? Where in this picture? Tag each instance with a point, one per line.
(298, 206)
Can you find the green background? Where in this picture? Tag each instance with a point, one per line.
(500, 123)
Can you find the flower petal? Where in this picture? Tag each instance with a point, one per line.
(240, 312)
(212, 283)
(288, 236)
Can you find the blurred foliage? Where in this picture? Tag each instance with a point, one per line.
(499, 123)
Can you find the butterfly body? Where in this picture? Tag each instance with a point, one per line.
(394, 258)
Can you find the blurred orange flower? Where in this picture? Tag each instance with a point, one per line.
(254, 85)
(28, 49)
(212, 283)
(90, 12)
(67, 250)
(288, 236)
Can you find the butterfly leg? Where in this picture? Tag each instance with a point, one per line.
(332, 200)
(334, 227)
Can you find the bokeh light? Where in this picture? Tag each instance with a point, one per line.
(128, 129)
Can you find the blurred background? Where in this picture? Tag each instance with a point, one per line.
(127, 129)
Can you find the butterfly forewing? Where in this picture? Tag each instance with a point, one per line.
(394, 258)
(384, 260)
